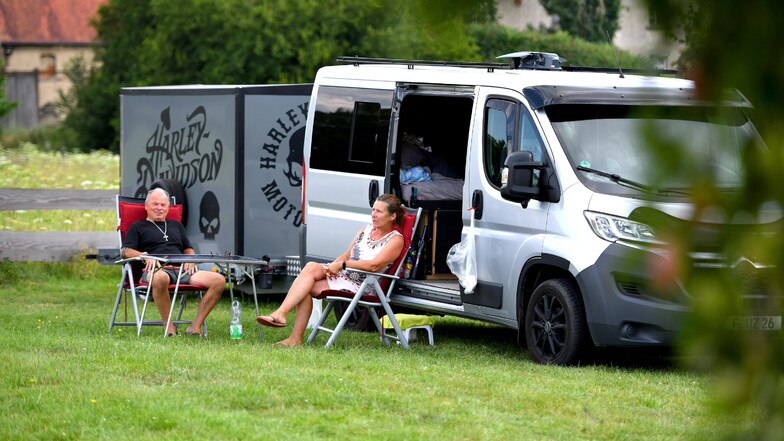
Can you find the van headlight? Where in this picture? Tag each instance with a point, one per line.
(619, 229)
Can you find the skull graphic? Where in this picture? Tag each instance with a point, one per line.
(209, 217)
(296, 145)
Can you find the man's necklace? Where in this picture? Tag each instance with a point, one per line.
(164, 231)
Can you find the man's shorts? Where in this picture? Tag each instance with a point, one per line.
(172, 272)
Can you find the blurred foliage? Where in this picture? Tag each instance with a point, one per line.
(78, 70)
(734, 45)
(494, 40)
(5, 105)
(50, 138)
(587, 19)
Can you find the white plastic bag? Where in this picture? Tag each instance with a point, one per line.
(462, 260)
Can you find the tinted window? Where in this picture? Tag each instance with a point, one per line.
(350, 130)
(504, 134)
(499, 138)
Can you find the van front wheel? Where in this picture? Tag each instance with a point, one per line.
(554, 323)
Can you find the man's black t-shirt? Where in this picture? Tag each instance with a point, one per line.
(144, 236)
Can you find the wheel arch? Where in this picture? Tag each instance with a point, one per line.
(535, 272)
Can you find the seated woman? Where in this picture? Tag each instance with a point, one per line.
(374, 248)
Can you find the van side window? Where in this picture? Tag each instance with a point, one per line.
(504, 134)
(530, 140)
(364, 131)
(529, 136)
(500, 121)
(350, 130)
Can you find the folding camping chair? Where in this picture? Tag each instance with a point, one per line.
(382, 283)
(130, 210)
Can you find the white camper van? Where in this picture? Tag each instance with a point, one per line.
(551, 160)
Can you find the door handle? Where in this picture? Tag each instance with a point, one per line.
(372, 192)
(477, 203)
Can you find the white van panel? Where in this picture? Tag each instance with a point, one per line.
(508, 235)
(338, 207)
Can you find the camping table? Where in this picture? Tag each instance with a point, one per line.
(223, 261)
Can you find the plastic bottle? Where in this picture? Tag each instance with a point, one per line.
(235, 329)
(414, 202)
(408, 267)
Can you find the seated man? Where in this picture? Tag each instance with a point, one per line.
(158, 235)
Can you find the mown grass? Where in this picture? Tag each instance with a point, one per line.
(65, 376)
(30, 166)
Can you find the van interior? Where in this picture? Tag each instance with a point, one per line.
(432, 142)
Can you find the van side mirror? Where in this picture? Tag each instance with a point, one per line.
(518, 177)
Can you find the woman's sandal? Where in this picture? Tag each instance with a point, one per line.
(263, 320)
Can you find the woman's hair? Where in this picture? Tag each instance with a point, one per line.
(394, 206)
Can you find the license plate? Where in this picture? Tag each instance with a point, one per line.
(756, 323)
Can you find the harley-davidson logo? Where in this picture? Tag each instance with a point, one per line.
(289, 136)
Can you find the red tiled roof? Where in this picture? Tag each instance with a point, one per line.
(48, 21)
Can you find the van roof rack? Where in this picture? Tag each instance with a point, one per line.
(647, 72)
(411, 63)
(520, 60)
(535, 60)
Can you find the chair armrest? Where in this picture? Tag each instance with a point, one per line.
(370, 273)
(128, 259)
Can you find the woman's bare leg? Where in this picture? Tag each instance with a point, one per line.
(304, 309)
(300, 290)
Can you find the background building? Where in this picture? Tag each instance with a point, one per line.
(638, 28)
(38, 38)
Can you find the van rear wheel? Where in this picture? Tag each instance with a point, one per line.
(554, 323)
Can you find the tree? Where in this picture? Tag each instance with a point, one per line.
(732, 45)
(5, 105)
(155, 42)
(495, 40)
(587, 19)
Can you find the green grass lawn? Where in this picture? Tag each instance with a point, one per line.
(65, 376)
(30, 167)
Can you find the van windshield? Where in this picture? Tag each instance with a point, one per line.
(628, 142)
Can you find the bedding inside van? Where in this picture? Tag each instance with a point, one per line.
(432, 146)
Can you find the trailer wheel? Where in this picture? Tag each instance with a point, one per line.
(554, 323)
(174, 188)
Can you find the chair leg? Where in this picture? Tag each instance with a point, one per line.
(321, 321)
(117, 300)
(343, 320)
(379, 327)
(171, 308)
(204, 323)
(183, 302)
(401, 337)
(144, 310)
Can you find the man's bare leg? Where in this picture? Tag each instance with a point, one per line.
(160, 293)
(215, 284)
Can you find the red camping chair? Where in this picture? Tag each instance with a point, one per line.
(130, 210)
(383, 284)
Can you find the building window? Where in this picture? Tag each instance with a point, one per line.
(653, 16)
(48, 65)
(659, 62)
